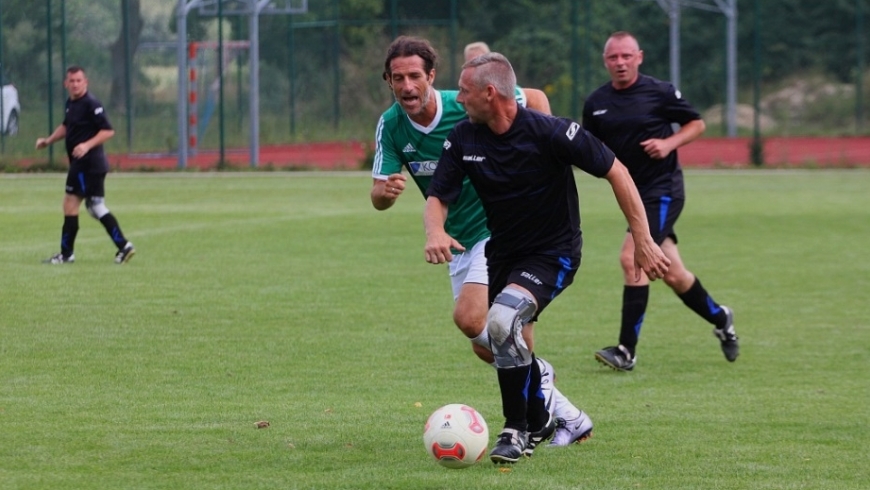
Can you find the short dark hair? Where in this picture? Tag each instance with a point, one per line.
(623, 35)
(409, 46)
(74, 69)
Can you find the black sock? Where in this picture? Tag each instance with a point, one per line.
(512, 382)
(114, 230)
(536, 412)
(699, 301)
(68, 235)
(634, 301)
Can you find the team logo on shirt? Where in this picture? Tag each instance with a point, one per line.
(98, 111)
(472, 158)
(447, 144)
(572, 131)
(531, 277)
(600, 112)
(678, 94)
(423, 169)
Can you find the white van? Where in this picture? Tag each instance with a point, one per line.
(9, 108)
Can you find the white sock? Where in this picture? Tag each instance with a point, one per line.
(547, 385)
(562, 406)
(482, 339)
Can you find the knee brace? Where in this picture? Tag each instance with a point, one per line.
(96, 207)
(510, 311)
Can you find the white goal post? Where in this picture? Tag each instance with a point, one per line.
(251, 8)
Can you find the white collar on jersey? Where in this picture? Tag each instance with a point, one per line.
(437, 119)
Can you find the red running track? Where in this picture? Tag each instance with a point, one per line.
(706, 152)
(307, 156)
(779, 152)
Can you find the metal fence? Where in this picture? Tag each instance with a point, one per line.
(305, 71)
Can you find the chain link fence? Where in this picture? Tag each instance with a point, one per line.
(320, 71)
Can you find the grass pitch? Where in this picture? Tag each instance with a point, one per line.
(285, 297)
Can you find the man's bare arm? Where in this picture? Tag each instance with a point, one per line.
(647, 255)
(438, 242)
(385, 192)
(660, 148)
(537, 100)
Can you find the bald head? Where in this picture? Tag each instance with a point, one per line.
(624, 37)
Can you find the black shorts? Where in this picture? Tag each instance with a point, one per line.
(662, 213)
(86, 184)
(545, 276)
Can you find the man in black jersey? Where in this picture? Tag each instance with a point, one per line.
(535, 99)
(85, 128)
(520, 162)
(633, 115)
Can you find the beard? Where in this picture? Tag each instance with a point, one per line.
(424, 101)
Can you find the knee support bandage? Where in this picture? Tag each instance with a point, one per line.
(96, 207)
(510, 311)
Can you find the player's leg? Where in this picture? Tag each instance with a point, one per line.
(540, 418)
(661, 213)
(530, 286)
(72, 201)
(693, 294)
(571, 429)
(469, 315)
(546, 278)
(96, 206)
(71, 205)
(508, 326)
(511, 332)
(688, 287)
(572, 424)
(468, 277)
(540, 421)
(635, 297)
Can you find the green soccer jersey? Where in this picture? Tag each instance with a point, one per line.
(400, 142)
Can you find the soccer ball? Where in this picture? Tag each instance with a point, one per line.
(456, 436)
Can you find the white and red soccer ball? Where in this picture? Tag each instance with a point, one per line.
(456, 436)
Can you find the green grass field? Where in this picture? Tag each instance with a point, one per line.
(286, 297)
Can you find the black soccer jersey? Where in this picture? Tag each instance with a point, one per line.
(524, 179)
(624, 118)
(84, 118)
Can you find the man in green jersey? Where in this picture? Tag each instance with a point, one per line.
(410, 135)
